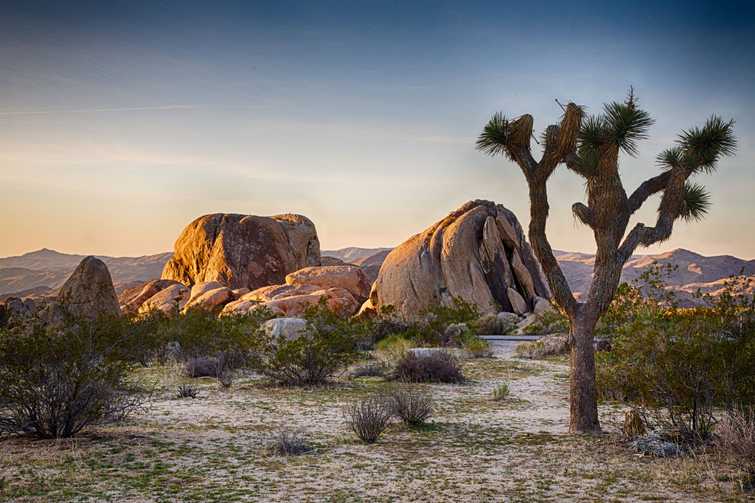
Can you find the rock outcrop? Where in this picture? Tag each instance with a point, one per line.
(130, 303)
(478, 253)
(243, 251)
(169, 300)
(348, 277)
(89, 292)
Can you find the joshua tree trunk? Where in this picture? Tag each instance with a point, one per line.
(583, 404)
(590, 148)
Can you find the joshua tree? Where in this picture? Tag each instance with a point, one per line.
(589, 146)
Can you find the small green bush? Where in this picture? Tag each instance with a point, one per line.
(548, 322)
(680, 365)
(328, 345)
(392, 348)
(474, 345)
(501, 392)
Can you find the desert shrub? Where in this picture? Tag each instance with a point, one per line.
(373, 368)
(432, 331)
(436, 366)
(57, 382)
(548, 322)
(501, 392)
(186, 391)
(474, 345)
(413, 407)
(550, 345)
(327, 346)
(289, 443)
(209, 345)
(736, 440)
(381, 326)
(392, 348)
(679, 365)
(369, 418)
(203, 366)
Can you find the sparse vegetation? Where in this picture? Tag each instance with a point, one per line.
(735, 437)
(187, 391)
(328, 345)
(413, 407)
(56, 383)
(501, 392)
(679, 365)
(550, 345)
(436, 366)
(369, 418)
(289, 443)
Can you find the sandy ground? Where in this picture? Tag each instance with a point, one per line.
(216, 448)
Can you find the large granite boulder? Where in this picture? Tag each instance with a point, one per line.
(88, 292)
(243, 251)
(478, 253)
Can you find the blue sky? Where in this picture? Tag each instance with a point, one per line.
(122, 121)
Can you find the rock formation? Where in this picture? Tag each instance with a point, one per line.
(478, 253)
(243, 251)
(89, 292)
(131, 303)
(348, 277)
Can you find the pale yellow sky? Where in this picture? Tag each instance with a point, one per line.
(121, 124)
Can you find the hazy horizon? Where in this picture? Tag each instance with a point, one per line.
(121, 123)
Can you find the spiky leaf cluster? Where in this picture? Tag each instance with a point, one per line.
(696, 202)
(626, 125)
(704, 146)
(495, 135)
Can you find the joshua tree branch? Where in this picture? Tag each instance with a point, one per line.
(574, 163)
(647, 189)
(584, 214)
(670, 209)
(561, 140)
(538, 217)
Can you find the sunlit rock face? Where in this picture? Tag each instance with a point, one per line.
(478, 253)
(243, 251)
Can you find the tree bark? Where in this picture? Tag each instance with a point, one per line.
(583, 403)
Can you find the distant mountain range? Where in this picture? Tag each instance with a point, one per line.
(44, 271)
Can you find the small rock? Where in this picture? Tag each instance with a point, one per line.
(517, 301)
(656, 446)
(455, 330)
(507, 321)
(541, 305)
(287, 328)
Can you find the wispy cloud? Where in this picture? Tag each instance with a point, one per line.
(98, 110)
